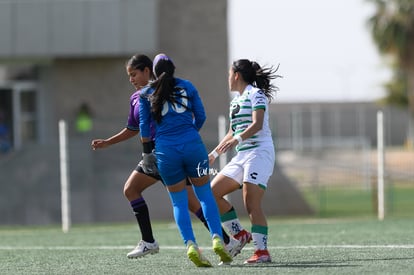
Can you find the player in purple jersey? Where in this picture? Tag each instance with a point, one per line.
(139, 70)
(176, 108)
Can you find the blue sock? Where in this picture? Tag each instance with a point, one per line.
(181, 215)
(210, 209)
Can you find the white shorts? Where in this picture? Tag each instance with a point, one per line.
(253, 166)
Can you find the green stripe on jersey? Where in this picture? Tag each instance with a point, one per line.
(259, 107)
(244, 148)
(241, 123)
(242, 115)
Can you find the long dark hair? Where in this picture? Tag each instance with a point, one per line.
(259, 77)
(165, 85)
(140, 62)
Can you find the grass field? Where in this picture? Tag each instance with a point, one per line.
(356, 201)
(309, 246)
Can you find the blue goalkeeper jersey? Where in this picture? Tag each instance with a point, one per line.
(180, 121)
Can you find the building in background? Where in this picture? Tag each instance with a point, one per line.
(56, 56)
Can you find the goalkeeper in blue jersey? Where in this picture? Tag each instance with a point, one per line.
(176, 108)
(139, 70)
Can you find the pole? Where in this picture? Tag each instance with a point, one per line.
(64, 176)
(221, 135)
(380, 158)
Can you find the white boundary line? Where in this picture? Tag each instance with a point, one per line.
(389, 246)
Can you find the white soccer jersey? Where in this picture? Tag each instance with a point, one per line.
(241, 110)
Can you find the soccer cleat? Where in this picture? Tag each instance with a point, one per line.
(194, 254)
(221, 251)
(143, 248)
(244, 237)
(259, 256)
(234, 247)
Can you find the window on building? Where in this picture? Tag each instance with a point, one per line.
(19, 113)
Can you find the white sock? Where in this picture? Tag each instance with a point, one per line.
(259, 241)
(233, 226)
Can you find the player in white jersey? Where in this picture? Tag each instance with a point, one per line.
(252, 166)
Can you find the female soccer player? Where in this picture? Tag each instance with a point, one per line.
(139, 70)
(175, 106)
(252, 166)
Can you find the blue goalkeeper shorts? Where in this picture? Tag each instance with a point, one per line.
(176, 162)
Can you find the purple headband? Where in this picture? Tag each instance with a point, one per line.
(159, 57)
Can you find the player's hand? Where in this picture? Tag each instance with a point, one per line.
(99, 143)
(223, 148)
(149, 163)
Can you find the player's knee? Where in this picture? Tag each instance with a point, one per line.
(126, 192)
(129, 192)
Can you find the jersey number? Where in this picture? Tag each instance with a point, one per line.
(181, 107)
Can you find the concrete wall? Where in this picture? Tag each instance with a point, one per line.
(196, 39)
(49, 28)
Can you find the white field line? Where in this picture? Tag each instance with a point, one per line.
(389, 246)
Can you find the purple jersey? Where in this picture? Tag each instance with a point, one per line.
(133, 116)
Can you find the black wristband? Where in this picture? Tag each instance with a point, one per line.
(147, 146)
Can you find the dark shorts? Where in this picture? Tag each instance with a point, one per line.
(157, 176)
(139, 169)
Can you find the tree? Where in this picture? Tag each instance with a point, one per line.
(392, 29)
(397, 89)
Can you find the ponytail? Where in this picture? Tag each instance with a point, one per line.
(164, 87)
(259, 77)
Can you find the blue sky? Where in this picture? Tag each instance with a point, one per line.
(324, 47)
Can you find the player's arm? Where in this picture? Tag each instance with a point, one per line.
(255, 126)
(218, 150)
(148, 158)
(259, 105)
(123, 135)
(198, 108)
(230, 140)
(145, 123)
(145, 119)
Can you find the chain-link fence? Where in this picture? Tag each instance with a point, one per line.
(329, 151)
